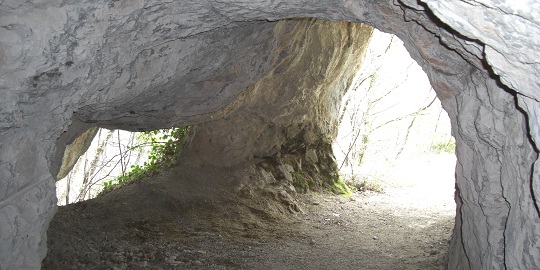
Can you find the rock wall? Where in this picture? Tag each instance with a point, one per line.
(495, 202)
(289, 117)
(75, 150)
(80, 65)
(143, 65)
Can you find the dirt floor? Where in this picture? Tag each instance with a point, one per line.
(175, 222)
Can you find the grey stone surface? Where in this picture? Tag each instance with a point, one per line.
(509, 31)
(149, 64)
(260, 122)
(74, 150)
(313, 65)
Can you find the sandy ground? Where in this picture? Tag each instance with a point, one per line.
(170, 223)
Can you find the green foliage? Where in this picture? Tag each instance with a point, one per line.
(300, 182)
(443, 147)
(303, 183)
(166, 145)
(340, 187)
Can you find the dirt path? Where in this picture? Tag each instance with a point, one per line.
(156, 225)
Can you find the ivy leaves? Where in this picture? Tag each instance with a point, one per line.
(165, 148)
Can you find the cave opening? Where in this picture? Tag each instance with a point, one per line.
(390, 112)
(395, 138)
(114, 158)
(393, 131)
(69, 63)
(279, 177)
(382, 90)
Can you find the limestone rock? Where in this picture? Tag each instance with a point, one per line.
(509, 30)
(74, 150)
(143, 65)
(262, 122)
(313, 65)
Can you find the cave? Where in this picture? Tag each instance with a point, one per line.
(143, 65)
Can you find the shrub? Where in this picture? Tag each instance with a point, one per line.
(340, 187)
(443, 147)
(166, 145)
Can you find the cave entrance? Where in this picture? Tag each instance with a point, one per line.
(110, 154)
(394, 136)
(332, 231)
(116, 157)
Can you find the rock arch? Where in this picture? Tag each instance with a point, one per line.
(67, 66)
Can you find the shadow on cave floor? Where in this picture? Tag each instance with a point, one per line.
(179, 221)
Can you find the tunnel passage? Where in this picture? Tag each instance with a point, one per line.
(283, 124)
(80, 58)
(294, 164)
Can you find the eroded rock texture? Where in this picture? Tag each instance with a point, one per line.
(287, 121)
(142, 64)
(74, 150)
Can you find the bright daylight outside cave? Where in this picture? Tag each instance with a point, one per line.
(275, 135)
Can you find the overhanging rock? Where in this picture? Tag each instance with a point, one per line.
(147, 65)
